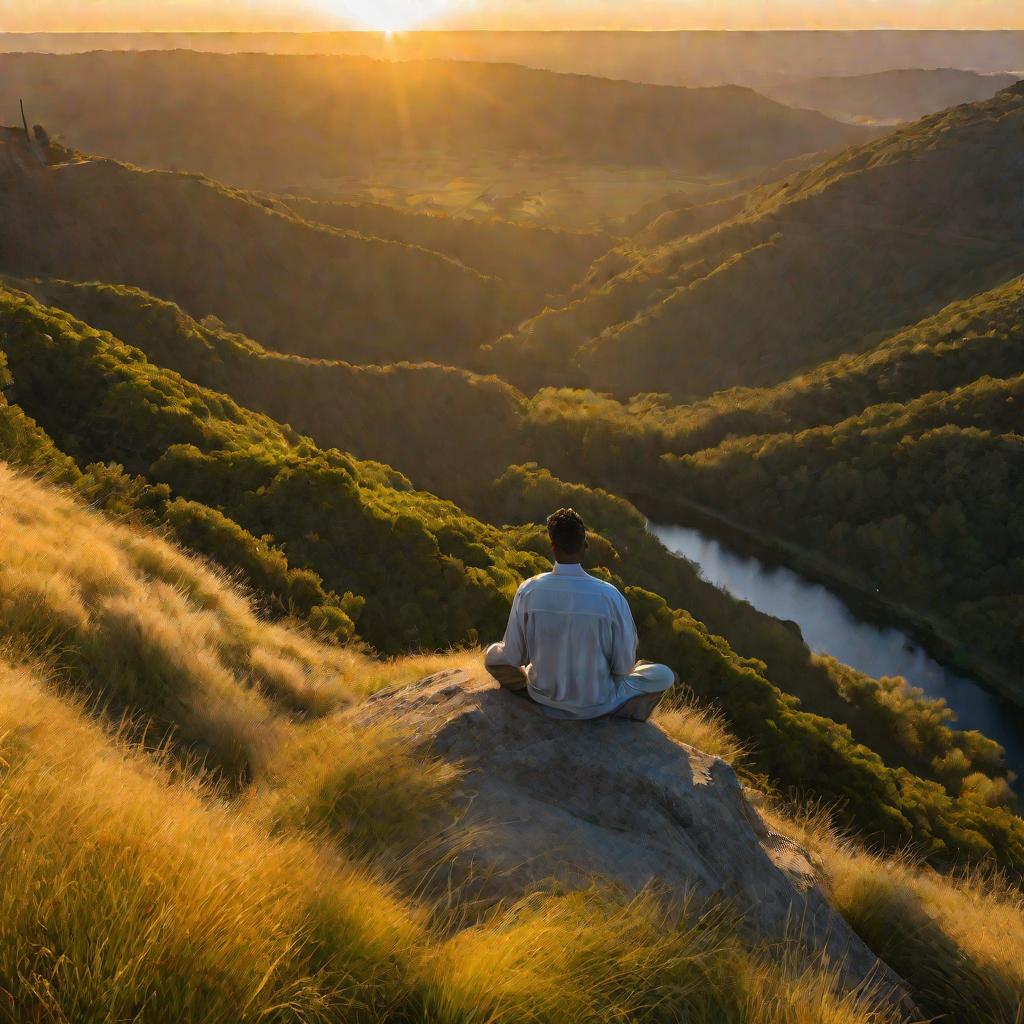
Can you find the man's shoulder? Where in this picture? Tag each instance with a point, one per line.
(535, 581)
(609, 590)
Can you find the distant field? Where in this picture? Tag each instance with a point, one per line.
(525, 190)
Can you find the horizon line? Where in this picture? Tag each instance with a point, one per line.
(489, 31)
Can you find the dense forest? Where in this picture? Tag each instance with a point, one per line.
(397, 413)
(899, 468)
(920, 502)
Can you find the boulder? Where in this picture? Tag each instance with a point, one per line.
(558, 804)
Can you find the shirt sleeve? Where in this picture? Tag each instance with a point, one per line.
(514, 644)
(624, 640)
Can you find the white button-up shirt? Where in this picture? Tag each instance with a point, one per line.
(576, 638)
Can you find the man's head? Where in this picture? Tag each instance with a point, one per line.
(568, 535)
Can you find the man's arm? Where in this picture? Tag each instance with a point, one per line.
(512, 650)
(624, 640)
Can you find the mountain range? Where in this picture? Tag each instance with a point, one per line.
(269, 121)
(888, 97)
(823, 263)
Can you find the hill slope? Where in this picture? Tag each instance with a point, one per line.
(973, 338)
(438, 425)
(890, 96)
(267, 121)
(542, 260)
(819, 265)
(359, 525)
(297, 286)
(920, 502)
(132, 881)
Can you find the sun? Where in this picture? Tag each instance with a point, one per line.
(389, 16)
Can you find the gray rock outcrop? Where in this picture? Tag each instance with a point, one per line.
(563, 803)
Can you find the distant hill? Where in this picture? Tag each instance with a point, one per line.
(267, 121)
(542, 260)
(889, 97)
(296, 286)
(824, 263)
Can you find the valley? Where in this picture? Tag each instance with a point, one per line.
(297, 355)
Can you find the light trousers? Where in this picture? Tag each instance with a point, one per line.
(642, 689)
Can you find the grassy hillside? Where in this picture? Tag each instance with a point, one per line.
(297, 286)
(266, 121)
(889, 96)
(136, 882)
(825, 263)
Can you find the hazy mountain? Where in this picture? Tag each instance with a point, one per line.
(820, 264)
(270, 121)
(888, 97)
(666, 58)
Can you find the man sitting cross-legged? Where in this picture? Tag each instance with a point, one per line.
(571, 641)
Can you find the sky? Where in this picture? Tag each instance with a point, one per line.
(284, 15)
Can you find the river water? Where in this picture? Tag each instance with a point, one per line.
(830, 626)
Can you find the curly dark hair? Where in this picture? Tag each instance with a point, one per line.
(567, 530)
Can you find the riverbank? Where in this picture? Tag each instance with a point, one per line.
(927, 632)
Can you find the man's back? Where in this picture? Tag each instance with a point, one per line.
(578, 635)
(574, 636)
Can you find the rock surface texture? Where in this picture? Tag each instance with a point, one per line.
(564, 803)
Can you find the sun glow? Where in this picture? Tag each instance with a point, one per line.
(389, 15)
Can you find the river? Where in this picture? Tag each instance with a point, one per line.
(830, 626)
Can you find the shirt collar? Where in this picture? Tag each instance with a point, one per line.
(568, 569)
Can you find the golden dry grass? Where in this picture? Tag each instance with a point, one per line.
(132, 621)
(130, 895)
(958, 940)
(134, 893)
(687, 721)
